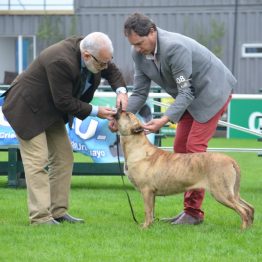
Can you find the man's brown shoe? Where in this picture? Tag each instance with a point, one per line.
(186, 219)
(171, 219)
(68, 218)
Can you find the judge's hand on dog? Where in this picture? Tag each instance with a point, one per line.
(106, 113)
(121, 102)
(150, 127)
(155, 124)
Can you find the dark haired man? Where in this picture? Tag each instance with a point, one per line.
(200, 83)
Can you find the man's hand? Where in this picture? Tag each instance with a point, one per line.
(155, 124)
(122, 99)
(112, 125)
(106, 112)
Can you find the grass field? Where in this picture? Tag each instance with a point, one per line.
(110, 234)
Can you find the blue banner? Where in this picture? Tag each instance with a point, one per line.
(93, 138)
(7, 134)
(90, 137)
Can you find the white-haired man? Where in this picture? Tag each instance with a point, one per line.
(58, 85)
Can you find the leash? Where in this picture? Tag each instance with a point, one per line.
(123, 182)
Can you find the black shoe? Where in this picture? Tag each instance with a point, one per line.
(70, 219)
(171, 219)
(186, 219)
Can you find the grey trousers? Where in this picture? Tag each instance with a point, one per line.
(48, 164)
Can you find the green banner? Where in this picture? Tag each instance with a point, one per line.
(245, 113)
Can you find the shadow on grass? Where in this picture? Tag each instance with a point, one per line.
(81, 187)
(98, 186)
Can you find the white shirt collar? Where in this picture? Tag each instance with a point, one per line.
(152, 57)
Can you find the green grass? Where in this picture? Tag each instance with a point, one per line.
(110, 234)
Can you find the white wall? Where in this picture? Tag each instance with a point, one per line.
(7, 55)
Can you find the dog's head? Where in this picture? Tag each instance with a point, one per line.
(128, 123)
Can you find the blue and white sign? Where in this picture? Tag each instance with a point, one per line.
(93, 138)
(7, 134)
(90, 137)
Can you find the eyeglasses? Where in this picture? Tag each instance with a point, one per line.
(101, 64)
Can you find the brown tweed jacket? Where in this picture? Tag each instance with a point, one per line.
(47, 91)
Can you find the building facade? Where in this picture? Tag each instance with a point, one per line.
(230, 28)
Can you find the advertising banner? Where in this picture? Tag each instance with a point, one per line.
(246, 113)
(93, 138)
(90, 137)
(7, 134)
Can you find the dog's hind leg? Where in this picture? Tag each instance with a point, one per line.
(249, 209)
(232, 202)
(149, 205)
(229, 195)
(244, 212)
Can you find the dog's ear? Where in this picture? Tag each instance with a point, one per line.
(137, 130)
(136, 127)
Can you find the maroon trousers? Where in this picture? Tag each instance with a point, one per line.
(192, 137)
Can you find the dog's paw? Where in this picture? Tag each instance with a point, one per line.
(145, 225)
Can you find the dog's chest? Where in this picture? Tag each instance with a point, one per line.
(128, 172)
(132, 180)
(137, 175)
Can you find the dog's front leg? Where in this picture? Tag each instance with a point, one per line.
(149, 203)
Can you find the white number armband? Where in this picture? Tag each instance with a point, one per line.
(182, 82)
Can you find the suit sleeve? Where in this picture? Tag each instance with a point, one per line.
(180, 62)
(113, 75)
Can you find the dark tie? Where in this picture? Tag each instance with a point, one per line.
(84, 74)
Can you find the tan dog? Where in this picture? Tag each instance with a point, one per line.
(155, 172)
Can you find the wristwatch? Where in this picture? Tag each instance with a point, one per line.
(121, 90)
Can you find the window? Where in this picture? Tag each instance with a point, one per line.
(252, 50)
(17, 52)
(37, 5)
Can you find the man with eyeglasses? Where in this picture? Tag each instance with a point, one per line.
(57, 86)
